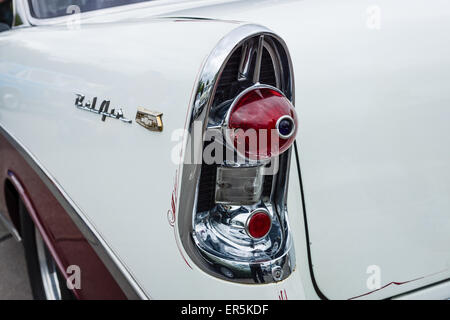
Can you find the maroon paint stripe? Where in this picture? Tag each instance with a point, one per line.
(64, 240)
(30, 208)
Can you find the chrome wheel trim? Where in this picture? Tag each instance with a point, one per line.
(48, 270)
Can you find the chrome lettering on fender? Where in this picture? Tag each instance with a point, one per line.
(103, 110)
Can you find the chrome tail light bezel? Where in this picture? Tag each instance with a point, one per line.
(282, 264)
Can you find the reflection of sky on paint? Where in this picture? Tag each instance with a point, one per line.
(38, 75)
(138, 46)
(11, 69)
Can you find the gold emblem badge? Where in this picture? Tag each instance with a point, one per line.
(151, 120)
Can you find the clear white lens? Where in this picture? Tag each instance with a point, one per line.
(239, 185)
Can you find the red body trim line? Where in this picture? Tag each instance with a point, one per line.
(397, 284)
(29, 205)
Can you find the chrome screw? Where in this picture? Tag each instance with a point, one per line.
(277, 273)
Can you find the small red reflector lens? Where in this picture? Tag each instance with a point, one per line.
(259, 224)
(262, 123)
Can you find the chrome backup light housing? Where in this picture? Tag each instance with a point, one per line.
(239, 258)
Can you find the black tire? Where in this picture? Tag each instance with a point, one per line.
(32, 260)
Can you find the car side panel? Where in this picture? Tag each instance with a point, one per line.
(69, 246)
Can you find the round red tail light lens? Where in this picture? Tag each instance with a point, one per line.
(259, 224)
(262, 123)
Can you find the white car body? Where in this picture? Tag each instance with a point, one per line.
(373, 141)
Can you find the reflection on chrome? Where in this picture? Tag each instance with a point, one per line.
(103, 110)
(222, 238)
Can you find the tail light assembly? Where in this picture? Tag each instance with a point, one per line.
(264, 114)
(232, 215)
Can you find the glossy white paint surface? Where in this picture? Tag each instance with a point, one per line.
(438, 292)
(373, 139)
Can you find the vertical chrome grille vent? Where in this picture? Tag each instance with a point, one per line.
(230, 84)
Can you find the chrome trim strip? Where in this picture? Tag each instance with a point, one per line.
(47, 266)
(14, 14)
(116, 267)
(259, 54)
(21, 12)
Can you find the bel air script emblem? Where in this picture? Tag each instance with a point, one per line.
(151, 120)
(103, 109)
